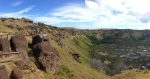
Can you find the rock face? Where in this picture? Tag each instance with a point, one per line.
(4, 45)
(19, 43)
(3, 72)
(39, 38)
(47, 57)
(36, 39)
(17, 74)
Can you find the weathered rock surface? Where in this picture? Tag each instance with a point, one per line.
(17, 74)
(47, 57)
(39, 38)
(36, 39)
(4, 45)
(3, 72)
(25, 65)
(19, 43)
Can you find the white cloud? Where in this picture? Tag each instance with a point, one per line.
(104, 13)
(92, 5)
(17, 3)
(18, 14)
(25, 10)
(98, 14)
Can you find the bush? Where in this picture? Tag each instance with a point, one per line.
(120, 66)
(97, 64)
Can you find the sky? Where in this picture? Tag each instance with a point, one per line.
(81, 14)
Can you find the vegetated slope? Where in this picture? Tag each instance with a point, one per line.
(119, 50)
(133, 74)
(72, 43)
(72, 69)
(4, 29)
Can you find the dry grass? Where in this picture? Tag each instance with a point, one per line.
(4, 29)
(133, 74)
(20, 23)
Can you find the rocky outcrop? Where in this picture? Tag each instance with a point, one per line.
(76, 57)
(59, 42)
(36, 39)
(19, 43)
(4, 45)
(3, 72)
(17, 74)
(25, 65)
(39, 38)
(47, 57)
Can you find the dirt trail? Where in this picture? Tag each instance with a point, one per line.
(3, 33)
(6, 35)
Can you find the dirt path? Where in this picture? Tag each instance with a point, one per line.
(3, 33)
(6, 35)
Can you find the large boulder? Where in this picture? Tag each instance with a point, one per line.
(39, 38)
(36, 39)
(4, 45)
(47, 57)
(17, 74)
(19, 43)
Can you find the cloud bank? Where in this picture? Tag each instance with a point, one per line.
(132, 14)
(102, 14)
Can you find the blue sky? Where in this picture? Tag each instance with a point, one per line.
(82, 14)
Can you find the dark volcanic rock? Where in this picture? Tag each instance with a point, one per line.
(19, 43)
(48, 58)
(36, 39)
(4, 45)
(39, 38)
(17, 74)
(76, 57)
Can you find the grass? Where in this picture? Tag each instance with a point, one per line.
(4, 29)
(133, 74)
(70, 69)
(80, 48)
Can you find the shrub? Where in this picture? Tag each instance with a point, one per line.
(97, 64)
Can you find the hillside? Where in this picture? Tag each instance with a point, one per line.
(70, 68)
(70, 42)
